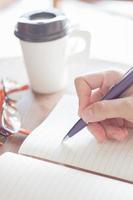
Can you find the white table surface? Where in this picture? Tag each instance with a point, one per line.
(14, 68)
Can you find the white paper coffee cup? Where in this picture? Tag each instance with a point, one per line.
(44, 38)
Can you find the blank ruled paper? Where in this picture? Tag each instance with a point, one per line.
(24, 178)
(112, 158)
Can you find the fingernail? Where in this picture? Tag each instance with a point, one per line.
(119, 137)
(87, 115)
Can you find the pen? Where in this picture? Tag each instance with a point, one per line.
(113, 93)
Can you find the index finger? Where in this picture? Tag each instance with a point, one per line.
(86, 84)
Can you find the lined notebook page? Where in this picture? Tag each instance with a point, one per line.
(23, 178)
(112, 158)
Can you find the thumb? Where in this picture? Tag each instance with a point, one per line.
(107, 109)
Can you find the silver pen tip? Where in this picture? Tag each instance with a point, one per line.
(65, 138)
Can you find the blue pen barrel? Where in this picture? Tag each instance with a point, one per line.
(120, 87)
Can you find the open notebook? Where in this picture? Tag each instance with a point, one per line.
(81, 168)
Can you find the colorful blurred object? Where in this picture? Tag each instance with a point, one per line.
(10, 122)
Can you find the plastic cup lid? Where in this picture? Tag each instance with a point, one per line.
(42, 26)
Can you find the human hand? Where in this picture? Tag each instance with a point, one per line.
(107, 119)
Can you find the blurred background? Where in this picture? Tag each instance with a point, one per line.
(109, 22)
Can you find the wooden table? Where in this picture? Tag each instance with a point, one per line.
(33, 108)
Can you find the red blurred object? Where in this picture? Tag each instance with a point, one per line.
(7, 105)
(2, 96)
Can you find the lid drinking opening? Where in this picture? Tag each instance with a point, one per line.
(42, 16)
